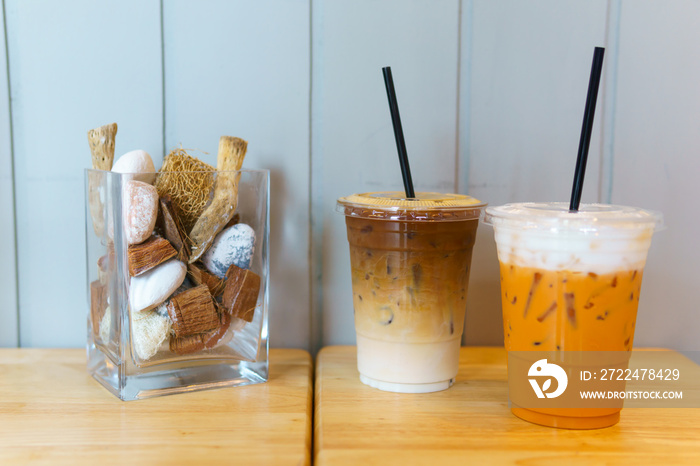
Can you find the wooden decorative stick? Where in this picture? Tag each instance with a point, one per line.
(223, 205)
(101, 142)
(102, 146)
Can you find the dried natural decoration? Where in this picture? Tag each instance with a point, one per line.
(151, 253)
(189, 182)
(101, 142)
(219, 212)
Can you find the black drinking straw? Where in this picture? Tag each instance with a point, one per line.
(398, 133)
(586, 128)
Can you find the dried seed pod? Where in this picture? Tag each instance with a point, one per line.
(171, 225)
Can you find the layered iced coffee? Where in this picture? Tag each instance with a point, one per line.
(410, 261)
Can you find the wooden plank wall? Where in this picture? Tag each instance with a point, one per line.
(8, 278)
(491, 94)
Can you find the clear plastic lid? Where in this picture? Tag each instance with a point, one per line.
(393, 205)
(548, 215)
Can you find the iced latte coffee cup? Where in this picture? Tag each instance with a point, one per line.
(570, 285)
(410, 261)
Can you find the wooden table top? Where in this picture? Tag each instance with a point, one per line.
(53, 412)
(471, 423)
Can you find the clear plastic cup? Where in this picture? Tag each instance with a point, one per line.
(570, 282)
(410, 262)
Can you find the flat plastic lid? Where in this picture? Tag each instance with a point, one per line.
(547, 215)
(393, 205)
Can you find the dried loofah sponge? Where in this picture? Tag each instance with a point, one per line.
(149, 331)
(189, 182)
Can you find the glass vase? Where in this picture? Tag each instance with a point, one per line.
(138, 353)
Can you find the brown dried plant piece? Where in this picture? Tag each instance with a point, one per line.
(211, 339)
(193, 312)
(217, 214)
(189, 183)
(98, 304)
(152, 252)
(235, 220)
(173, 229)
(201, 277)
(186, 345)
(241, 293)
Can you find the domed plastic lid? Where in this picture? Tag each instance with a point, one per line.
(548, 215)
(393, 205)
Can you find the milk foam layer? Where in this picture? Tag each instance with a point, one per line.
(576, 252)
(599, 238)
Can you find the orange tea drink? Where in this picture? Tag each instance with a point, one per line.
(570, 282)
(410, 261)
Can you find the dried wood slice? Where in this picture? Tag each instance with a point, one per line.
(152, 252)
(193, 312)
(216, 337)
(225, 199)
(241, 293)
(185, 345)
(201, 277)
(98, 304)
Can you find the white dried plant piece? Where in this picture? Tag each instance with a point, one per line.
(219, 212)
(149, 330)
(101, 141)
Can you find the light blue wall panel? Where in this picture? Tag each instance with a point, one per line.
(527, 83)
(241, 68)
(657, 159)
(353, 148)
(8, 278)
(73, 66)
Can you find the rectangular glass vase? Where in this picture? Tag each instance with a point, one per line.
(136, 353)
